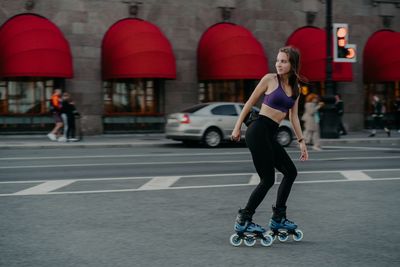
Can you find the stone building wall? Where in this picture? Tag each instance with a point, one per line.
(84, 23)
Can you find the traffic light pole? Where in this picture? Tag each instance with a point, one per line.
(329, 118)
(328, 82)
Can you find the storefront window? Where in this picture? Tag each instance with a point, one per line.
(138, 96)
(229, 91)
(25, 97)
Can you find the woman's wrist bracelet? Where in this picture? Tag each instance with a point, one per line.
(300, 140)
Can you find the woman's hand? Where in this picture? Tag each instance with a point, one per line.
(304, 153)
(235, 136)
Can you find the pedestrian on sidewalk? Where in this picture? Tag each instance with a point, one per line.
(281, 96)
(68, 112)
(55, 109)
(340, 111)
(397, 113)
(378, 112)
(311, 120)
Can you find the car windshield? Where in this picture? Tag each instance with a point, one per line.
(194, 108)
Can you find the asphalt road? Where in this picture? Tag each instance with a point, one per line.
(170, 205)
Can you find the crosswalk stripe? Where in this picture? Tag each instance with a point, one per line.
(44, 187)
(254, 179)
(201, 187)
(355, 175)
(160, 183)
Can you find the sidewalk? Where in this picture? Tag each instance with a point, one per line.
(131, 140)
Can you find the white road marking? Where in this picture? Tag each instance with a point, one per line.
(290, 151)
(199, 187)
(160, 183)
(123, 164)
(44, 188)
(167, 182)
(254, 179)
(180, 162)
(352, 148)
(185, 176)
(355, 175)
(128, 156)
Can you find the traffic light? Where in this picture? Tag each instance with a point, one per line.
(342, 50)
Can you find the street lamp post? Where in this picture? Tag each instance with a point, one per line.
(329, 117)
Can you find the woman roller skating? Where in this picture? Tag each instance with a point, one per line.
(281, 96)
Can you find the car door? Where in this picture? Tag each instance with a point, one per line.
(225, 118)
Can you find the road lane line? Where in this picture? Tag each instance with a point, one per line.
(290, 151)
(44, 188)
(254, 179)
(129, 156)
(198, 187)
(123, 164)
(187, 176)
(182, 162)
(355, 175)
(361, 148)
(159, 183)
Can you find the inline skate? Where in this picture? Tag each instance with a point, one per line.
(248, 232)
(281, 227)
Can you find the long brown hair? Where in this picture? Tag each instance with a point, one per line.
(294, 75)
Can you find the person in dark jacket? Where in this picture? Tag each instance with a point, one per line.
(378, 114)
(68, 112)
(340, 110)
(397, 112)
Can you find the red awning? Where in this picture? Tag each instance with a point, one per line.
(311, 42)
(134, 48)
(381, 58)
(228, 51)
(32, 46)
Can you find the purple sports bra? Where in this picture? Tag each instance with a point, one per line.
(278, 99)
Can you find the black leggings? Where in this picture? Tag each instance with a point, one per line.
(267, 155)
(71, 126)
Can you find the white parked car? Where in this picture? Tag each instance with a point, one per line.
(212, 123)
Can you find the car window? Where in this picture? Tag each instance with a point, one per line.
(194, 108)
(224, 110)
(256, 109)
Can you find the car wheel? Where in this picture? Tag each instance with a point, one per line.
(212, 138)
(284, 136)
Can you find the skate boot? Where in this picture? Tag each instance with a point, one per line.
(281, 227)
(247, 231)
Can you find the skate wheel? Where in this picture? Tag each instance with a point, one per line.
(235, 240)
(267, 241)
(271, 233)
(298, 235)
(250, 241)
(283, 236)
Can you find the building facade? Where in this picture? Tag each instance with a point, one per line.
(128, 64)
